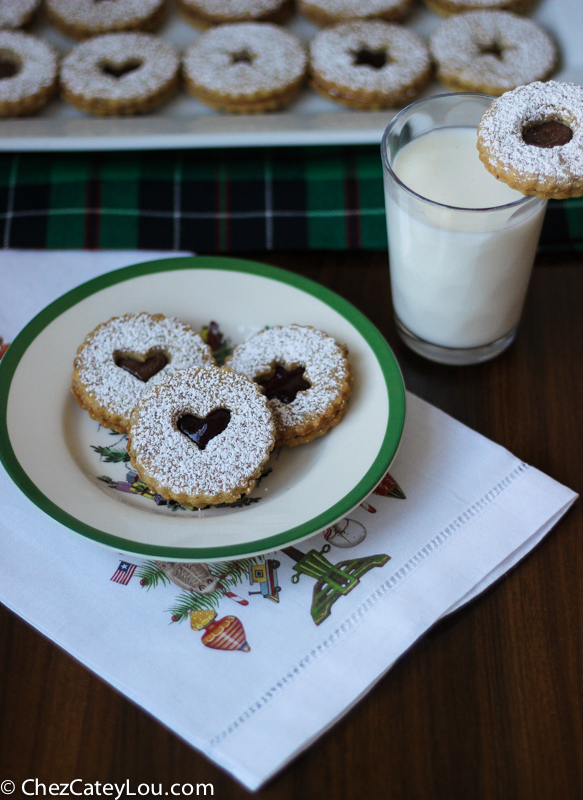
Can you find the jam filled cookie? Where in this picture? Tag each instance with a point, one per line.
(447, 7)
(201, 437)
(123, 357)
(245, 68)
(28, 73)
(206, 13)
(491, 52)
(83, 18)
(17, 13)
(369, 65)
(532, 139)
(120, 73)
(329, 12)
(305, 376)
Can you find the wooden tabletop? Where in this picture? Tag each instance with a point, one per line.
(488, 705)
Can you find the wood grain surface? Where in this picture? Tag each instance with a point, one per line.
(487, 706)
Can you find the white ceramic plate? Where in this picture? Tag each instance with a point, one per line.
(311, 120)
(49, 445)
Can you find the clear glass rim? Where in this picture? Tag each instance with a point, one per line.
(385, 159)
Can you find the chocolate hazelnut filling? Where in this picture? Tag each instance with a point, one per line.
(202, 430)
(375, 59)
(284, 384)
(243, 57)
(8, 68)
(143, 370)
(547, 134)
(119, 70)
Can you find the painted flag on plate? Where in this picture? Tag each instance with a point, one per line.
(123, 573)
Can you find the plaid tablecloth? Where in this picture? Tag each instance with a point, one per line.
(225, 201)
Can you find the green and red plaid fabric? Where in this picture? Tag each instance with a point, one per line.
(217, 201)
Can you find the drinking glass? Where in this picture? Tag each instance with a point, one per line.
(459, 276)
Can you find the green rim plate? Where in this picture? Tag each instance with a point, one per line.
(382, 352)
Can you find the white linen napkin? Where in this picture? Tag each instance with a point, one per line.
(457, 512)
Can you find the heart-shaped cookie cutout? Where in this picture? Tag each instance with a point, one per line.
(284, 384)
(202, 430)
(119, 70)
(143, 370)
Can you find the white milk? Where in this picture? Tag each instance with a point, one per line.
(458, 277)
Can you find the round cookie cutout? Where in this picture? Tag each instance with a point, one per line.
(17, 13)
(246, 67)
(120, 74)
(305, 376)
(329, 12)
(201, 437)
(29, 73)
(369, 65)
(532, 139)
(206, 13)
(84, 18)
(491, 52)
(447, 7)
(125, 356)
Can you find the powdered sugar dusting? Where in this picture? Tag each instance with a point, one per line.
(103, 14)
(324, 361)
(229, 460)
(234, 8)
(277, 57)
(527, 52)
(14, 13)
(355, 8)
(38, 68)
(333, 50)
(500, 131)
(113, 387)
(479, 4)
(82, 73)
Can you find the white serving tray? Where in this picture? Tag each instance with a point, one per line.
(311, 120)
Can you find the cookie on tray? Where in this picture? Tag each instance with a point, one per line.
(446, 7)
(206, 13)
(369, 64)
(29, 73)
(246, 67)
(120, 74)
(17, 13)
(201, 437)
(491, 52)
(532, 139)
(123, 357)
(329, 12)
(305, 376)
(83, 18)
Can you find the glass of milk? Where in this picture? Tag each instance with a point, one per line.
(461, 243)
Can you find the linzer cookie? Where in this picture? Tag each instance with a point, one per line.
(532, 139)
(305, 376)
(245, 67)
(491, 52)
(369, 65)
(28, 73)
(83, 18)
(120, 73)
(206, 13)
(17, 13)
(123, 357)
(447, 7)
(201, 437)
(329, 12)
